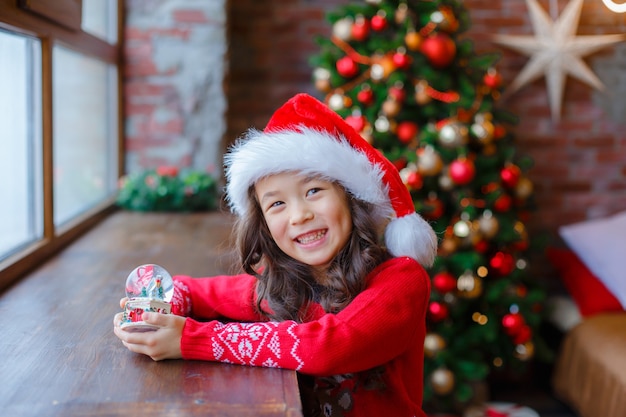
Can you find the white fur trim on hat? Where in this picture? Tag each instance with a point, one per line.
(306, 151)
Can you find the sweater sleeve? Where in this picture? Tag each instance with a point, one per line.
(224, 296)
(379, 324)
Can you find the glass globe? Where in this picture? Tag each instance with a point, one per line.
(150, 281)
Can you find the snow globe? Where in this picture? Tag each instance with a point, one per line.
(149, 288)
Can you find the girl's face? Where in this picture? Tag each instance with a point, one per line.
(309, 218)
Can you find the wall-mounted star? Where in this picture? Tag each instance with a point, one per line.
(555, 51)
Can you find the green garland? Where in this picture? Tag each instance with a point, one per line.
(168, 189)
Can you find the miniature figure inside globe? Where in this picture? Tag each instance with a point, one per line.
(150, 281)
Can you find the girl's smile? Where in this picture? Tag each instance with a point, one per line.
(310, 238)
(309, 218)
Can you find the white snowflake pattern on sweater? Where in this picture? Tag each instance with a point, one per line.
(255, 344)
(181, 299)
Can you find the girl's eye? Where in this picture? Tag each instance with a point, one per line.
(274, 205)
(313, 191)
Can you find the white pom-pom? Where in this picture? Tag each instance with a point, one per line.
(412, 236)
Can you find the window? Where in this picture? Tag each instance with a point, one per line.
(20, 156)
(100, 19)
(84, 158)
(61, 141)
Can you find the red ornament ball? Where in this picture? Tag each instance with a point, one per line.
(439, 49)
(523, 335)
(512, 323)
(499, 131)
(365, 96)
(503, 203)
(437, 311)
(346, 67)
(492, 79)
(406, 131)
(414, 180)
(502, 263)
(444, 282)
(462, 171)
(397, 93)
(379, 22)
(510, 175)
(401, 60)
(360, 29)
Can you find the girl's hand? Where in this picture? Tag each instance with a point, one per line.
(163, 343)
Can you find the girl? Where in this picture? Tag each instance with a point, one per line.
(320, 294)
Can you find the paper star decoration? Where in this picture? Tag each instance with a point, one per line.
(555, 51)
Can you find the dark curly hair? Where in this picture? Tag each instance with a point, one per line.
(289, 286)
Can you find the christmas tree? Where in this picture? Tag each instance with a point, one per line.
(400, 73)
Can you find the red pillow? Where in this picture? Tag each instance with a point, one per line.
(588, 292)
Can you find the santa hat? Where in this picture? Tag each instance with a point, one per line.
(307, 137)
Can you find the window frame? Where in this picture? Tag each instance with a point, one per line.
(15, 18)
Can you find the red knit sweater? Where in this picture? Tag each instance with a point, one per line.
(381, 331)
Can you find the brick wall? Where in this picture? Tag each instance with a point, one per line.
(580, 163)
(174, 83)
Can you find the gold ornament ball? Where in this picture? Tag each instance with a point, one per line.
(391, 108)
(488, 224)
(483, 131)
(453, 134)
(382, 67)
(413, 41)
(521, 230)
(433, 344)
(421, 93)
(445, 20)
(445, 182)
(322, 85)
(524, 188)
(401, 13)
(469, 286)
(473, 235)
(428, 161)
(524, 351)
(448, 246)
(442, 381)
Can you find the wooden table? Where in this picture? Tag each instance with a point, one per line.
(58, 353)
